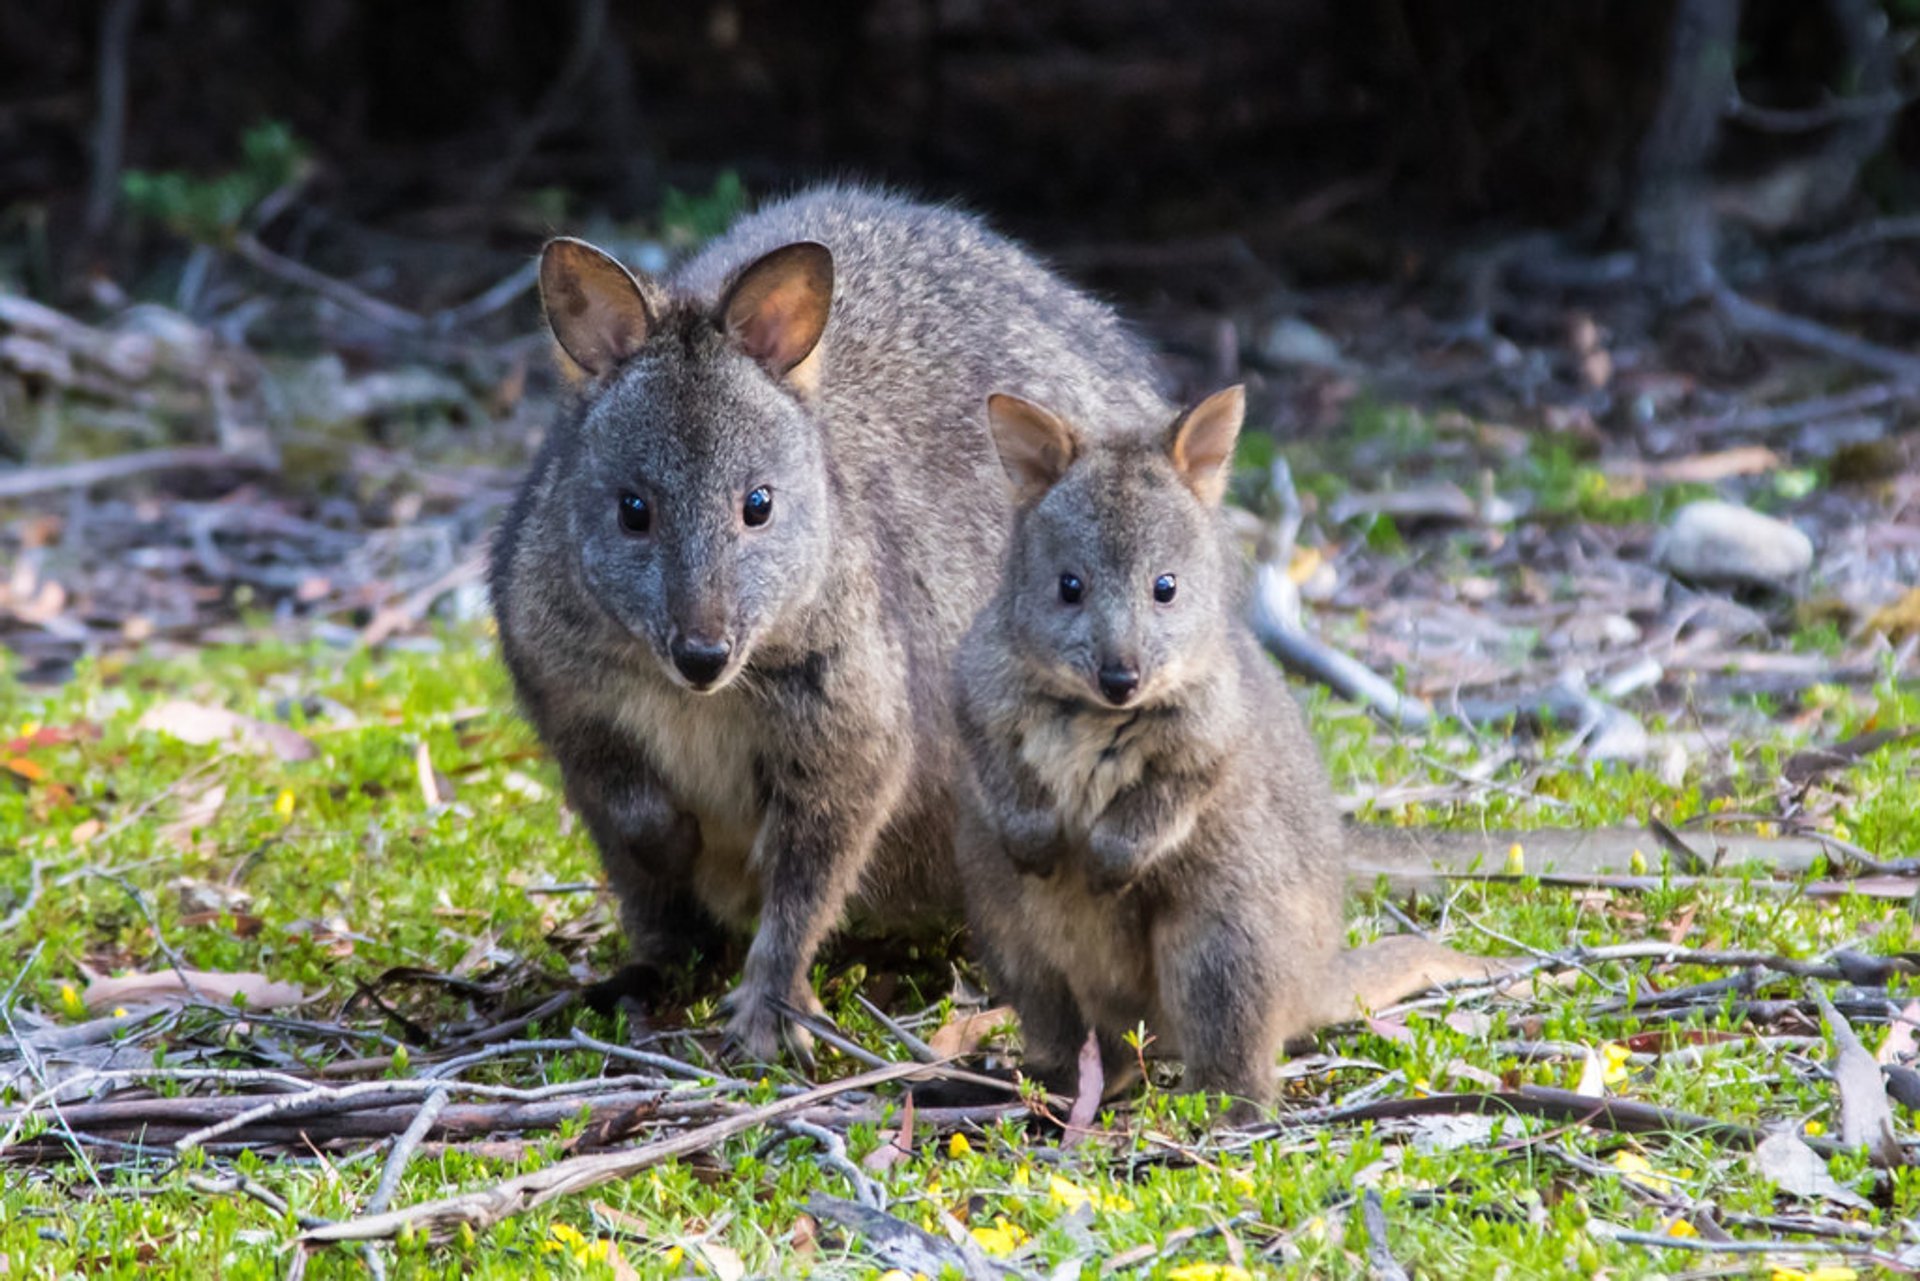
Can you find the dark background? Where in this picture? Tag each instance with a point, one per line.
(1329, 135)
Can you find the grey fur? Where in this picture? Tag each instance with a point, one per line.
(818, 773)
(1173, 861)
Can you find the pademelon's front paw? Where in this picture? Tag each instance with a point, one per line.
(758, 1027)
(1113, 860)
(1033, 843)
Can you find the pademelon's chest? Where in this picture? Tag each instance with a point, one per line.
(1084, 761)
(702, 748)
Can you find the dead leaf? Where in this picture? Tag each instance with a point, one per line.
(895, 1145)
(52, 736)
(21, 767)
(260, 992)
(1593, 1075)
(622, 1270)
(1815, 762)
(804, 1241)
(1798, 1170)
(964, 1034)
(1701, 469)
(1089, 1089)
(1390, 1029)
(723, 1263)
(194, 813)
(1899, 1044)
(1866, 1118)
(199, 724)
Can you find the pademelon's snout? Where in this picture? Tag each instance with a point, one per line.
(700, 659)
(1118, 682)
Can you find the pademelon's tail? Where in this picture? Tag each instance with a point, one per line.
(1393, 969)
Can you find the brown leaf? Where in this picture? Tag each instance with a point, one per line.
(199, 724)
(622, 1270)
(895, 1145)
(1090, 1089)
(1702, 469)
(964, 1034)
(1899, 1045)
(1799, 1171)
(1866, 1118)
(194, 813)
(1815, 762)
(260, 992)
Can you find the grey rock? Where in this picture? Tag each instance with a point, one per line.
(1721, 544)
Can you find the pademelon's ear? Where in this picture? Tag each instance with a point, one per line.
(1201, 444)
(595, 307)
(1036, 445)
(777, 308)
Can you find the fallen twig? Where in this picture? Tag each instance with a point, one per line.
(488, 1206)
(25, 481)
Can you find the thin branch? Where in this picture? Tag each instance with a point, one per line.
(488, 1206)
(26, 481)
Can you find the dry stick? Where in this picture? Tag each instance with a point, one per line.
(322, 1099)
(1622, 1116)
(403, 1149)
(1700, 1245)
(914, 1045)
(1380, 1261)
(25, 481)
(339, 292)
(498, 1032)
(1768, 418)
(1751, 318)
(865, 1190)
(165, 1121)
(19, 914)
(489, 1206)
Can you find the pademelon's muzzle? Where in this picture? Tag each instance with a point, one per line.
(700, 660)
(1118, 683)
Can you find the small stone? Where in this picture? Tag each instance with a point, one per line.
(1720, 544)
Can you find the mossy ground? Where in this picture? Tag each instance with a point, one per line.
(347, 870)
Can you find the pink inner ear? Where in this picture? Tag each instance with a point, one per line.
(759, 334)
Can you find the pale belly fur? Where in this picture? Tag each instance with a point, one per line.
(703, 749)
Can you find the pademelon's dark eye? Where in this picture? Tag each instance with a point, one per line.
(635, 516)
(758, 507)
(1071, 588)
(1163, 588)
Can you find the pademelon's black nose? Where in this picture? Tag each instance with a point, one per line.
(1118, 683)
(700, 661)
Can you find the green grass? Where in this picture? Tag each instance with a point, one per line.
(330, 871)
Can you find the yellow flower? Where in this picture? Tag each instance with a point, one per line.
(1815, 1128)
(1209, 1272)
(1422, 1087)
(1023, 1176)
(1616, 1056)
(562, 1236)
(1825, 1272)
(1639, 1170)
(1071, 1196)
(957, 1147)
(70, 1000)
(1637, 863)
(1001, 1237)
(1681, 1228)
(283, 805)
(674, 1256)
(1242, 1182)
(1516, 860)
(1841, 831)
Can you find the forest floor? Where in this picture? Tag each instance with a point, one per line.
(272, 837)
